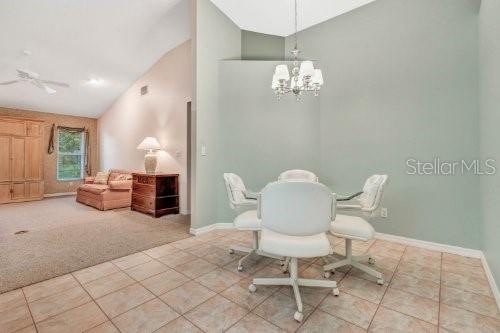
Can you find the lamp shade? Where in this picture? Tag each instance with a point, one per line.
(318, 77)
(282, 73)
(306, 68)
(149, 143)
(275, 84)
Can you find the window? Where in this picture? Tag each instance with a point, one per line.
(70, 155)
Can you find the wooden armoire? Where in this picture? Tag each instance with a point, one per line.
(21, 159)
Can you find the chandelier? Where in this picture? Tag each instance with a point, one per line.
(303, 78)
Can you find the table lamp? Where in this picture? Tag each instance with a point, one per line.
(150, 144)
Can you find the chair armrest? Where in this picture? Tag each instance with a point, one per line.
(250, 195)
(120, 184)
(89, 180)
(350, 207)
(350, 197)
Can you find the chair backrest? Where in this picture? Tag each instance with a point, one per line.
(372, 192)
(297, 208)
(297, 174)
(235, 189)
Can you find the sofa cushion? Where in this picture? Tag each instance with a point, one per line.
(101, 178)
(93, 188)
(120, 184)
(89, 180)
(122, 176)
(115, 174)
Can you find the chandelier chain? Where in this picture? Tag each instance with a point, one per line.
(303, 77)
(296, 28)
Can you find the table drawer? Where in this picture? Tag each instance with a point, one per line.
(143, 201)
(144, 189)
(150, 180)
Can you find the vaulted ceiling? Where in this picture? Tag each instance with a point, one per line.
(99, 47)
(276, 17)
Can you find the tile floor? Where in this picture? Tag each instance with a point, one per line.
(192, 285)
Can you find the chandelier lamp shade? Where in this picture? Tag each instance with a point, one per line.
(301, 78)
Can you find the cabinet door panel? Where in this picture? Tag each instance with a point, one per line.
(18, 191)
(4, 158)
(5, 194)
(33, 128)
(12, 127)
(33, 161)
(34, 189)
(17, 153)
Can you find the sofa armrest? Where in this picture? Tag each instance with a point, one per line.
(89, 180)
(120, 185)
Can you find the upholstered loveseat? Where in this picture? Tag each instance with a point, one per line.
(115, 193)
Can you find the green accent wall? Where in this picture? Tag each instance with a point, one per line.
(489, 106)
(257, 46)
(216, 38)
(401, 82)
(260, 137)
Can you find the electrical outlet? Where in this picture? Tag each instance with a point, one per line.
(383, 212)
(203, 150)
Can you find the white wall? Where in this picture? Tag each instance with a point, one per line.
(161, 113)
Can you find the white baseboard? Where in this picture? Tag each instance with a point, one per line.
(430, 245)
(215, 226)
(491, 280)
(62, 194)
(185, 212)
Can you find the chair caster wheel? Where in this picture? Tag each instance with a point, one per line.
(336, 292)
(231, 251)
(252, 288)
(282, 263)
(327, 274)
(380, 281)
(371, 261)
(240, 268)
(298, 316)
(285, 270)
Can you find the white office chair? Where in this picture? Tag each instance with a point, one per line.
(297, 174)
(354, 227)
(244, 202)
(295, 219)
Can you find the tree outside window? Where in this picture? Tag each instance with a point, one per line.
(71, 155)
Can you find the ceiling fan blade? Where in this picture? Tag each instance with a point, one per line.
(55, 83)
(43, 86)
(49, 90)
(27, 74)
(9, 82)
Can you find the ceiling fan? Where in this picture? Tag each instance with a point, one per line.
(25, 75)
(34, 78)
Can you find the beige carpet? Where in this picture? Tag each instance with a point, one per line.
(64, 236)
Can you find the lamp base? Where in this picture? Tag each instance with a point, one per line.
(150, 162)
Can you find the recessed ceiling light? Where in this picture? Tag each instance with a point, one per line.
(95, 82)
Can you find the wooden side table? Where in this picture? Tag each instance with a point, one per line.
(155, 194)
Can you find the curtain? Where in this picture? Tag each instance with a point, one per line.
(87, 157)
